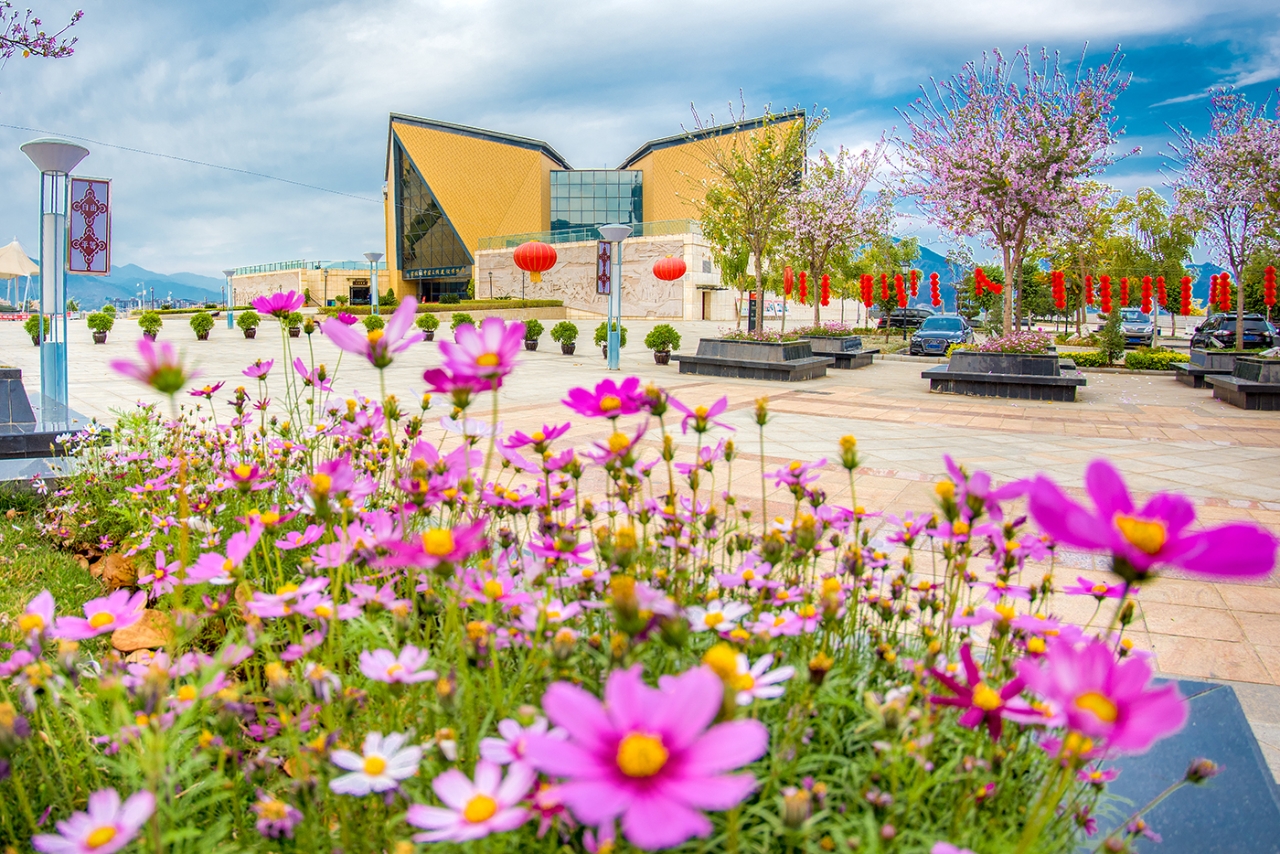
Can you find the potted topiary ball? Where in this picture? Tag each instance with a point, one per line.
(532, 331)
(248, 321)
(602, 337)
(662, 339)
(37, 326)
(293, 320)
(460, 318)
(565, 334)
(149, 322)
(202, 325)
(372, 322)
(428, 323)
(100, 322)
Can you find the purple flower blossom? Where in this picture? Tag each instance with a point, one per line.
(278, 305)
(106, 827)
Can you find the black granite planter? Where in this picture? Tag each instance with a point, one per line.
(531, 345)
(846, 350)
(662, 357)
(791, 361)
(567, 349)
(1019, 376)
(25, 432)
(1254, 384)
(251, 332)
(1205, 363)
(99, 338)
(202, 336)
(430, 335)
(295, 331)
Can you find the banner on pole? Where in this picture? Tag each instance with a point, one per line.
(89, 232)
(604, 266)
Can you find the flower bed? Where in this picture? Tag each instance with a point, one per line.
(349, 629)
(1161, 359)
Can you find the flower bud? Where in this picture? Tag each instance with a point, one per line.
(849, 452)
(1202, 769)
(762, 410)
(819, 666)
(797, 806)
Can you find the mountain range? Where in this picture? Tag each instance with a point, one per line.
(126, 280)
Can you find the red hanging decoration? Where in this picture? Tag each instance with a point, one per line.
(935, 295)
(1162, 296)
(826, 290)
(669, 269)
(788, 279)
(1269, 287)
(1104, 288)
(868, 290)
(884, 286)
(1124, 291)
(535, 259)
(1146, 294)
(901, 290)
(1213, 291)
(1224, 291)
(1088, 290)
(977, 282)
(1058, 283)
(1184, 296)
(915, 283)
(804, 288)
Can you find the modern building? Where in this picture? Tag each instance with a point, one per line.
(460, 199)
(323, 282)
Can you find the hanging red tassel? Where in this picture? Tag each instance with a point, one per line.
(826, 289)
(804, 288)
(788, 279)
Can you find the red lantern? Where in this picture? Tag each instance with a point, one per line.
(901, 290)
(1213, 290)
(826, 289)
(1059, 287)
(669, 269)
(979, 279)
(1104, 288)
(537, 258)
(1269, 287)
(868, 290)
(1224, 291)
(788, 279)
(804, 288)
(1124, 291)
(1088, 290)
(884, 286)
(915, 283)
(1185, 296)
(1146, 294)
(935, 296)
(1162, 296)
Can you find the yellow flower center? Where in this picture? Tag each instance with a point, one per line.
(806, 610)
(321, 483)
(487, 360)
(701, 411)
(493, 589)
(1100, 590)
(641, 755)
(1098, 705)
(945, 489)
(794, 466)
(1006, 612)
(960, 529)
(619, 442)
(783, 595)
(480, 808)
(588, 573)
(1146, 535)
(438, 542)
(394, 669)
(748, 574)
(286, 589)
(1076, 744)
(324, 611)
(830, 587)
(538, 436)
(374, 766)
(187, 693)
(243, 470)
(100, 619)
(610, 402)
(743, 682)
(1035, 645)
(28, 623)
(375, 336)
(273, 810)
(713, 619)
(722, 660)
(100, 837)
(985, 698)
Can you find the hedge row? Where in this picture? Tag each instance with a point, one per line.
(465, 305)
(1154, 360)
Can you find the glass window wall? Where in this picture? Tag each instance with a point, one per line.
(586, 198)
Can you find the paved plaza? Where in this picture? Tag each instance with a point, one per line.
(1162, 435)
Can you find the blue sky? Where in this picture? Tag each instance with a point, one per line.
(302, 90)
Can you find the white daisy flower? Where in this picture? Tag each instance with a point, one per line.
(757, 682)
(718, 616)
(384, 763)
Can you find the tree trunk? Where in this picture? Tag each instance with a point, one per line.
(759, 296)
(1239, 309)
(816, 278)
(1006, 314)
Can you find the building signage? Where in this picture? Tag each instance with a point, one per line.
(434, 272)
(89, 234)
(604, 266)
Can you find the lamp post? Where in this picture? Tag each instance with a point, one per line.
(373, 258)
(55, 158)
(905, 265)
(615, 234)
(231, 297)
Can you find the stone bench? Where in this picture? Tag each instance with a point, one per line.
(1254, 384)
(24, 434)
(846, 350)
(789, 361)
(1016, 376)
(1204, 364)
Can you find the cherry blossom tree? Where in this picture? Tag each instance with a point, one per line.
(993, 152)
(21, 32)
(834, 212)
(1225, 180)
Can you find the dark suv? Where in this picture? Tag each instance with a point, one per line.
(1220, 331)
(904, 318)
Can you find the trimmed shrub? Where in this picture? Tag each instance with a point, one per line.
(110, 309)
(248, 319)
(602, 334)
(532, 329)
(201, 323)
(33, 325)
(460, 318)
(373, 321)
(564, 332)
(100, 321)
(450, 299)
(1091, 359)
(662, 338)
(427, 322)
(293, 319)
(150, 322)
(1160, 359)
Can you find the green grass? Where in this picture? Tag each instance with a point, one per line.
(29, 564)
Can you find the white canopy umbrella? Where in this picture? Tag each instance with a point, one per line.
(15, 262)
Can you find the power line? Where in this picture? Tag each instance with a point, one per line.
(194, 162)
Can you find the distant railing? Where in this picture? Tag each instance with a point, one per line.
(657, 228)
(284, 266)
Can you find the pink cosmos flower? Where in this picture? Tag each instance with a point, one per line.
(314, 378)
(163, 579)
(299, 539)
(346, 318)
(649, 756)
(102, 615)
(216, 568)
(797, 473)
(1106, 700)
(106, 827)
(947, 848)
(38, 616)
(702, 417)
(276, 818)
(207, 392)
(756, 681)
(259, 369)
(473, 810)
(538, 438)
(981, 702)
(160, 367)
(488, 352)
(1140, 540)
(515, 740)
(379, 345)
(608, 399)
(437, 547)
(383, 665)
(278, 305)
(1098, 590)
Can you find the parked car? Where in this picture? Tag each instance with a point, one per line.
(904, 318)
(936, 335)
(1139, 329)
(1219, 331)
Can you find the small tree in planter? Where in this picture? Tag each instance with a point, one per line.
(1111, 338)
(602, 337)
(460, 318)
(149, 322)
(37, 326)
(202, 325)
(565, 334)
(109, 308)
(248, 321)
(293, 320)
(372, 322)
(662, 339)
(428, 323)
(532, 331)
(340, 301)
(100, 323)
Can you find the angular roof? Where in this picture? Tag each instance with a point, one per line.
(481, 133)
(708, 133)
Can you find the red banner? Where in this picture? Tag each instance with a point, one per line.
(89, 227)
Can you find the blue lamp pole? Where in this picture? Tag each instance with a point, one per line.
(231, 297)
(55, 158)
(373, 258)
(615, 234)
